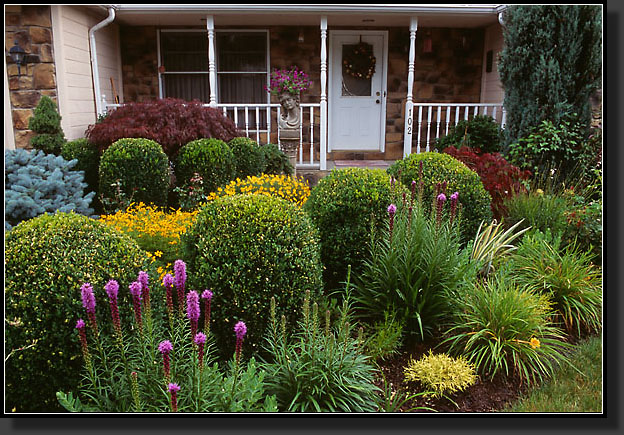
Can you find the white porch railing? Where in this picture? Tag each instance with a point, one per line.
(259, 122)
(431, 121)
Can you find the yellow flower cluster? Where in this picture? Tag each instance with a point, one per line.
(294, 190)
(154, 229)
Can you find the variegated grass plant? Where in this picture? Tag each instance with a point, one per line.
(492, 244)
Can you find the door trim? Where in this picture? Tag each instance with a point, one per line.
(384, 82)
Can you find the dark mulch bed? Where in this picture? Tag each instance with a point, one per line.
(484, 396)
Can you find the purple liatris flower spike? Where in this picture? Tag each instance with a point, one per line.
(143, 279)
(112, 290)
(179, 270)
(207, 297)
(391, 212)
(440, 200)
(413, 186)
(454, 199)
(200, 341)
(165, 349)
(168, 284)
(240, 329)
(192, 310)
(173, 389)
(88, 302)
(135, 291)
(80, 326)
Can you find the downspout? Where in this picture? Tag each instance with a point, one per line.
(94, 64)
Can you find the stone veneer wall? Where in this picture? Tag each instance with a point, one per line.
(31, 26)
(451, 73)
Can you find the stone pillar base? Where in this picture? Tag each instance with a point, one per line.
(289, 147)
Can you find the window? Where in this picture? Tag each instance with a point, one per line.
(242, 65)
(184, 65)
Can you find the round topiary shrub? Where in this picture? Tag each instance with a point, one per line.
(212, 159)
(47, 259)
(141, 167)
(275, 160)
(247, 249)
(248, 157)
(88, 158)
(345, 206)
(439, 168)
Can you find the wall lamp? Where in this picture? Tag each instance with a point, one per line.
(19, 56)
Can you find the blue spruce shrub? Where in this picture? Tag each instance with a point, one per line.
(38, 183)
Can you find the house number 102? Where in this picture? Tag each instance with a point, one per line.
(409, 121)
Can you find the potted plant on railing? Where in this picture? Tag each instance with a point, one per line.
(287, 86)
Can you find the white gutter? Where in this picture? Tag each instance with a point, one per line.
(94, 65)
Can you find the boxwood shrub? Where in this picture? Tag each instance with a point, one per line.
(248, 248)
(141, 166)
(345, 205)
(88, 158)
(248, 157)
(439, 168)
(47, 259)
(211, 158)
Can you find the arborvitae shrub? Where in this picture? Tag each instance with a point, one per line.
(276, 161)
(37, 183)
(247, 249)
(550, 64)
(47, 259)
(248, 157)
(480, 132)
(169, 121)
(439, 168)
(46, 122)
(142, 168)
(345, 206)
(212, 159)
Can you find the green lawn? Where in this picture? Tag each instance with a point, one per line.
(569, 390)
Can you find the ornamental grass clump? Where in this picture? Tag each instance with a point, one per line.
(442, 374)
(566, 276)
(503, 329)
(295, 190)
(315, 368)
(165, 367)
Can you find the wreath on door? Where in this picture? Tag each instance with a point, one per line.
(358, 61)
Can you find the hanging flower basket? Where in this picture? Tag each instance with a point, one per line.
(358, 61)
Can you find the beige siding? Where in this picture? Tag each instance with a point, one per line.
(491, 87)
(71, 25)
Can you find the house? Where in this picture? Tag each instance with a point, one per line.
(433, 65)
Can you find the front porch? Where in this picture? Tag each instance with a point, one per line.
(422, 85)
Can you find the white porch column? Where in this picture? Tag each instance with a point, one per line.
(409, 105)
(212, 66)
(323, 156)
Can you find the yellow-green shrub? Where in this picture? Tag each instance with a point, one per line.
(294, 190)
(441, 373)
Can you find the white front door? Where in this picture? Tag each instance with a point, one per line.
(357, 106)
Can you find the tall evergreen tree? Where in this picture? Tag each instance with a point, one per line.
(550, 64)
(46, 122)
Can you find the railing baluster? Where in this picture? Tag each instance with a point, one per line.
(476, 111)
(448, 118)
(438, 122)
(257, 121)
(279, 143)
(301, 136)
(312, 135)
(428, 128)
(419, 125)
(268, 116)
(247, 121)
(456, 114)
(236, 116)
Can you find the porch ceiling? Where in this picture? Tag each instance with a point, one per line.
(463, 16)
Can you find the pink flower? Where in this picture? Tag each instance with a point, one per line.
(88, 302)
(391, 211)
(80, 326)
(240, 329)
(454, 199)
(200, 341)
(440, 200)
(112, 290)
(173, 389)
(192, 310)
(143, 279)
(207, 297)
(168, 284)
(179, 270)
(165, 348)
(135, 291)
